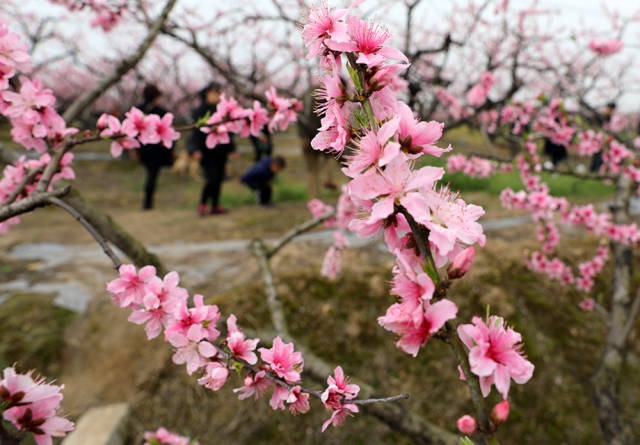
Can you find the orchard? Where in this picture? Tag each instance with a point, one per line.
(443, 249)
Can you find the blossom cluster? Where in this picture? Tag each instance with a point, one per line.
(381, 140)
(32, 406)
(14, 174)
(164, 308)
(477, 96)
(606, 47)
(164, 437)
(472, 166)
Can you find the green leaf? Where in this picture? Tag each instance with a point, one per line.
(466, 441)
(203, 120)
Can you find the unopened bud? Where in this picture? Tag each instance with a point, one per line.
(467, 424)
(500, 413)
(461, 263)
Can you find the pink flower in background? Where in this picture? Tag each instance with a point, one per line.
(165, 437)
(495, 354)
(467, 424)
(587, 304)
(606, 48)
(286, 363)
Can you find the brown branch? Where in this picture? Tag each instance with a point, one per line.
(273, 299)
(92, 230)
(37, 199)
(90, 96)
(112, 232)
(297, 231)
(26, 180)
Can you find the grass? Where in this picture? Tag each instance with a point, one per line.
(32, 332)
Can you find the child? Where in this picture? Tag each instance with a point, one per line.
(259, 176)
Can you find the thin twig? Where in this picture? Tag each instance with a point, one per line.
(92, 230)
(297, 231)
(26, 180)
(31, 202)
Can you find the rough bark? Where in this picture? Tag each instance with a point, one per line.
(605, 382)
(89, 97)
(115, 234)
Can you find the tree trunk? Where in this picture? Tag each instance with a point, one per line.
(605, 382)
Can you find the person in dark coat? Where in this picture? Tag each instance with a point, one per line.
(153, 156)
(262, 145)
(212, 160)
(556, 152)
(258, 177)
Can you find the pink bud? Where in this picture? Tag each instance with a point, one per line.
(500, 413)
(461, 263)
(467, 424)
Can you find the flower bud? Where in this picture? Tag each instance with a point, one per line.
(461, 263)
(467, 424)
(500, 413)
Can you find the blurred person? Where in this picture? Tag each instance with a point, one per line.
(212, 160)
(153, 156)
(556, 152)
(258, 177)
(262, 145)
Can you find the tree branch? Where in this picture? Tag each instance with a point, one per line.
(297, 231)
(92, 230)
(31, 202)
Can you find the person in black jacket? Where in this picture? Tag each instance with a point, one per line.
(212, 160)
(259, 176)
(153, 156)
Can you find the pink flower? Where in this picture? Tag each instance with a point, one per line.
(391, 185)
(467, 424)
(339, 390)
(323, 23)
(338, 416)
(165, 130)
(190, 349)
(495, 354)
(298, 401)
(137, 125)
(165, 437)
(284, 362)
(31, 97)
(587, 304)
(461, 263)
(606, 48)
(368, 41)
(254, 385)
(215, 376)
(130, 287)
(279, 396)
(500, 412)
(417, 137)
(375, 149)
(239, 346)
(416, 322)
(198, 321)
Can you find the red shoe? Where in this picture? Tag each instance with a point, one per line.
(218, 210)
(202, 210)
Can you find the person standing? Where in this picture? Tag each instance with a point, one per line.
(262, 145)
(212, 160)
(153, 156)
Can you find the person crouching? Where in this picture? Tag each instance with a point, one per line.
(258, 177)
